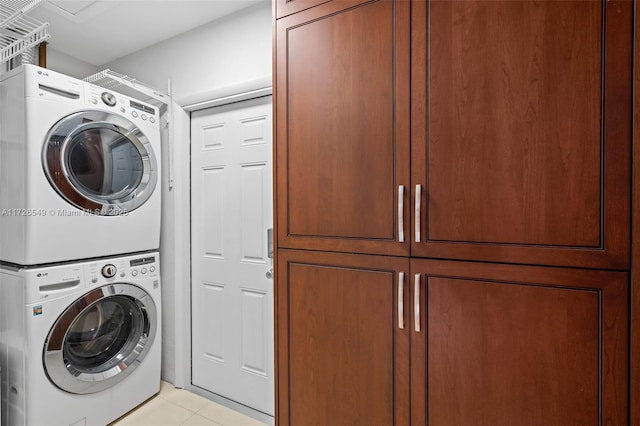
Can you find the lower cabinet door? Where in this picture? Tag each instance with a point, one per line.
(504, 345)
(342, 339)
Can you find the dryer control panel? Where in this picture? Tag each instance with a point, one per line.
(134, 110)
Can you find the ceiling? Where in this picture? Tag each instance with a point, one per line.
(100, 31)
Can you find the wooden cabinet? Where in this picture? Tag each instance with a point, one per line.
(342, 128)
(342, 358)
(368, 339)
(519, 119)
(487, 144)
(518, 345)
(521, 131)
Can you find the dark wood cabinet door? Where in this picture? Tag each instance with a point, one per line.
(343, 359)
(342, 129)
(521, 131)
(502, 345)
(287, 7)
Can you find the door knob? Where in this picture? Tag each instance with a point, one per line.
(269, 273)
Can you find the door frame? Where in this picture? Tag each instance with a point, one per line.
(233, 159)
(177, 266)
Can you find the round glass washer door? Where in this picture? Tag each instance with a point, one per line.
(100, 162)
(100, 338)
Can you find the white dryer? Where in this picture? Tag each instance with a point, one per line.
(79, 170)
(79, 343)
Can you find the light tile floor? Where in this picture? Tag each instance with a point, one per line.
(178, 407)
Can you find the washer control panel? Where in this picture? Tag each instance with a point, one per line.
(124, 268)
(50, 282)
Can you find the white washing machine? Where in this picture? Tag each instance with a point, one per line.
(79, 342)
(79, 170)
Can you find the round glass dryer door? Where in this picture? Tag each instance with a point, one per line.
(100, 162)
(100, 338)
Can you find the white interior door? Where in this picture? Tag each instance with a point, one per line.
(232, 295)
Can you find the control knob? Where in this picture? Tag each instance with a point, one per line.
(108, 98)
(108, 271)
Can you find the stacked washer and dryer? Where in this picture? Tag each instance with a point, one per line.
(80, 294)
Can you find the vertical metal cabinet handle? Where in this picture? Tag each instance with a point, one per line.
(401, 300)
(417, 212)
(416, 303)
(401, 213)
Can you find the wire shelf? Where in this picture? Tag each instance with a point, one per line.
(19, 32)
(128, 86)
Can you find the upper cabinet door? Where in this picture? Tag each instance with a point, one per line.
(342, 128)
(521, 131)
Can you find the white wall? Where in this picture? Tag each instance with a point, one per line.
(218, 59)
(65, 64)
(211, 60)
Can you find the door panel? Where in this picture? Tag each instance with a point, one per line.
(520, 138)
(232, 211)
(343, 358)
(505, 345)
(212, 198)
(257, 346)
(342, 127)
